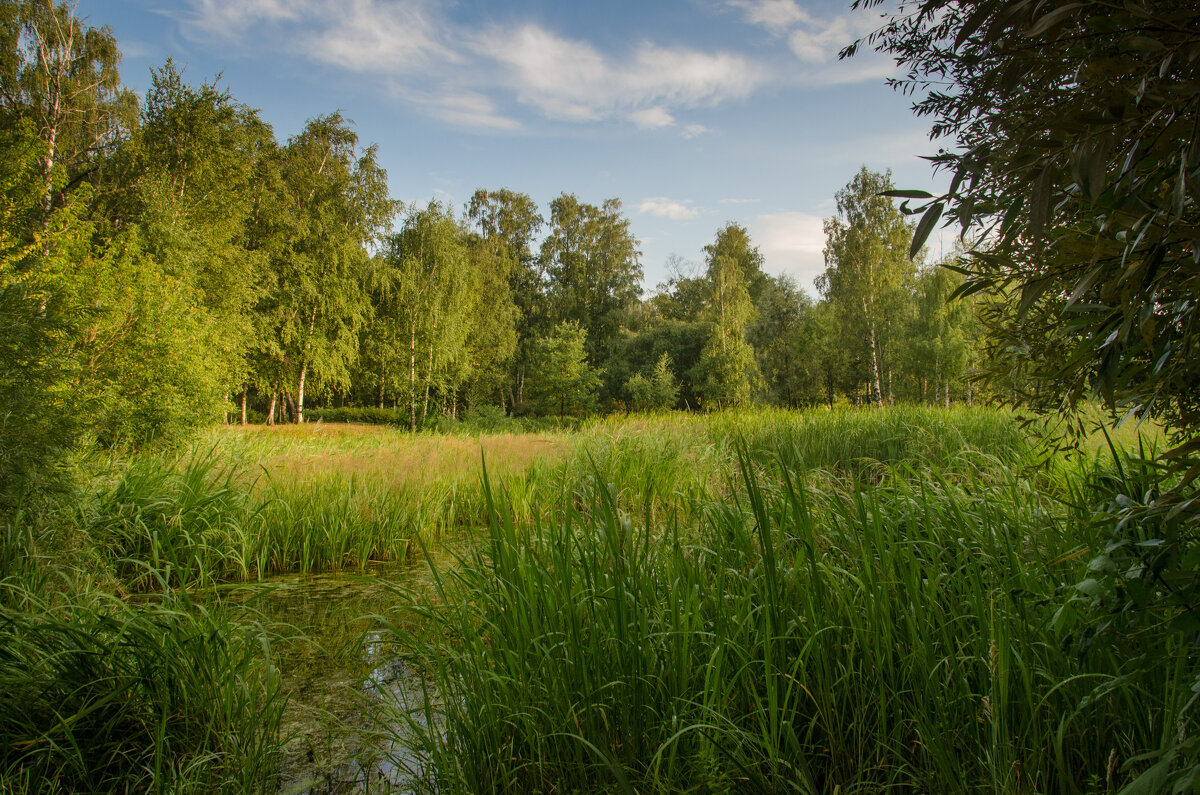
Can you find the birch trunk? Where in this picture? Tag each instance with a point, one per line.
(412, 375)
(243, 408)
(271, 410)
(300, 395)
(428, 379)
(312, 325)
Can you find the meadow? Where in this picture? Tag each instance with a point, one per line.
(767, 601)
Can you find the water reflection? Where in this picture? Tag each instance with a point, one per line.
(338, 655)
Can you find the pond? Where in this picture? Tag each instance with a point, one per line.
(339, 663)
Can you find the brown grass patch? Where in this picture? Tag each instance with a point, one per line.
(388, 456)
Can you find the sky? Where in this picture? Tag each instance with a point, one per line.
(693, 113)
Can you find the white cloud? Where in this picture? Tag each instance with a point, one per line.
(774, 15)
(472, 110)
(818, 43)
(572, 80)
(420, 51)
(737, 201)
(371, 36)
(668, 208)
(691, 131)
(791, 243)
(229, 18)
(652, 118)
(812, 40)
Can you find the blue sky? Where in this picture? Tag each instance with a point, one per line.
(692, 112)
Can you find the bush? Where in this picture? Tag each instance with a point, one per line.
(366, 415)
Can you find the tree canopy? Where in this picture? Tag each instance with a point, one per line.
(1069, 130)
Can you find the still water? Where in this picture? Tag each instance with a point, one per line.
(345, 674)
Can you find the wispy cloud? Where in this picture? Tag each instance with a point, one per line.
(668, 208)
(420, 50)
(371, 36)
(792, 243)
(817, 41)
(777, 16)
(229, 18)
(737, 201)
(572, 80)
(691, 131)
(470, 109)
(652, 118)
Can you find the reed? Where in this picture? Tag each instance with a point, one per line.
(852, 613)
(98, 694)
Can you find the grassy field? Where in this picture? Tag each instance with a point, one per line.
(848, 601)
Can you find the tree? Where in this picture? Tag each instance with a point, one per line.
(336, 206)
(431, 293)
(733, 241)
(727, 375)
(42, 416)
(61, 77)
(867, 271)
(1070, 133)
(513, 289)
(941, 336)
(783, 337)
(563, 379)
(655, 391)
(593, 264)
(200, 160)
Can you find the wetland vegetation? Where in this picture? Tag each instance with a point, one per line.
(304, 490)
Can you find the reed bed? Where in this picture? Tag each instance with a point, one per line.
(98, 694)
(842, 614)
(852, 601)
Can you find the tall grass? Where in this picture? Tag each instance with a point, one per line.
(201, 520)
(101, 695)
(803, 631)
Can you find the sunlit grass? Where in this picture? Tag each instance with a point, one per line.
(743, 602)
(867, 603)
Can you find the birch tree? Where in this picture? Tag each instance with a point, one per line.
(434, 293)
(727, 375)
(594, 268)
(867, 273)
(62, 77)
(338, 205)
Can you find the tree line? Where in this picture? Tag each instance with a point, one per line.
(166, 260)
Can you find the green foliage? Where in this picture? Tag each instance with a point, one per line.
(727, 374)
(785, 341)
(866, 278)
(430, 293)
(562, 380)
(788, 629)
(593, 263)
(508, 222)
(335, 203)
(367, 414)
(97, 695)
(654, 392)
(60, 77)
(1074, 161)
(41, 416)
(1070, 132)
(733, 242)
